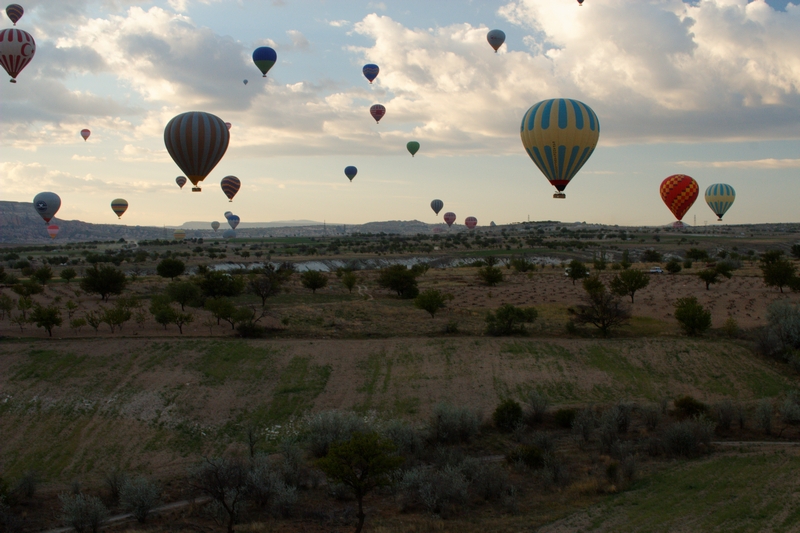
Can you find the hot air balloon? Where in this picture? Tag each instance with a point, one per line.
(14, 12)
(412, 147)
(470, 222)
(85, 134)
(119, 206)
(350, 172)
(230, 186)
(233, 221)
(559, 136)
(244, 81)
(47, 205)
(17, 48)
(264, 57)
(496, 39)
(227, 214)
(228, 125)
(377, 111)
(679, 193)
(370, 71)
(437, 206)
(52, 230)
(181, 181)
(215, 226)
(229, 234)
(196, 141)
(719, 198)
(580, 3)
(449, 218)
(178, 234)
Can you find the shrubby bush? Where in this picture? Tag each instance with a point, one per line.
(453, 424)
(537, 404)
(330, 427)
(509, 320)
(139, 496)
(82, 512)
(408, 440)
(507, 415)
(583, 425)
(763, 416)
(693, 317)
(526, 454)
(689, 407)
(267, 488)
(688, 438)
(565, 417)
(724, 412)
(441, 491)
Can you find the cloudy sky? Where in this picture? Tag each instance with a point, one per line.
(709, 88)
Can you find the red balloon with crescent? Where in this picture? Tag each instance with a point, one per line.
(17, 48)
(377, 111)
(449, 218)
(471, 222)
(679, 193)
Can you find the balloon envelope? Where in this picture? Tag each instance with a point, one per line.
(244, 81)
(377, 111)
(719, 198)
(181, 181)
(119, 206)
(47, 205)
(17, 48)
(178, 234)
(52, 230)
(350, 172)
(215, 226)
(370, 71)
(230, 186)
(437, 206)
(679, 193)
(85, 134)
(471, 222)
(14, 12)
(412, 147)
(196, 141)
(233, 221)
(227, 214)
(560, 135)
(264, 57)
(496, 39)
(228, 125)
(449, 218)
(228, 234)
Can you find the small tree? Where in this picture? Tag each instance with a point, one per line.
(104, 280)
(509, 320)
(116, 316)
(795, 251)
(777, 270)
(46, 317)
(84, 513)
(43, 274)
(490, 275)
(7, 305)
(267, 282)
(627, 282)
(162, 311)
(577, 271)
(711, 276)
(400, 279)
(170, 268)
(139, 496)
(625, 263)
(363, 463)
(221, 309)
(313, 279)
(95, 320)
(216, 284)
(68, 274)
(601, 308)
(181, 319)
(185, 293)
(693, 318)
(225, 482)
(674, 266)
(28, 288)
(349, 280)
(651, 256)
(431, 300)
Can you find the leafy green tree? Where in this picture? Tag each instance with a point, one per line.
(215, 284)
(185, 293)
(349, 280)
(795, 251)
(693, 318)
(674, 266)
(602, 309)
(46, 317)
(363, 463)
(6, 305)
(490, 275)
(181, 319)
(68, 274)
(697, 254)
(267, 282)
(777, 270)
(521, 264)
(627, 282)
(24, 304)
(162, 311)
(431, 300)
(116, 316)
(400, 279)
(104, 280)
(509, 320)
(43, 274)
(222, 309)
(28, 288)
(313, 280)
(625, 263)
(95, 320)
(710, 276)
(576, 270)
(170, 268)
(651, 256)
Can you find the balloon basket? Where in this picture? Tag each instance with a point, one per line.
(560, 195)
(13, 80)
(196, 189)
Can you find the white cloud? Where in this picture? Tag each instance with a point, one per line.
(339, 23)
(299, 41)
(754, 163)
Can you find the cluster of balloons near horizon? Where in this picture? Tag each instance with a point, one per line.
(680, 191)
(17, 47)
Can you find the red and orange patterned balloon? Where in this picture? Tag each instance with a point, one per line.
(679, 193)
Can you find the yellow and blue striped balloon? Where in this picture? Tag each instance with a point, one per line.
(719, 198)
(560, 135)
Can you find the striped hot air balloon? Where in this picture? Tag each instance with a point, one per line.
(14, 12)
(437, 206)
(230, 186)
(17, 48)
(449, 218)
(119, 206)
(233, 221)
(370, 71)
(215, 226)
(377, 111)
(560, 135)
(52, 230)
(178, 234)
(196, 141)
(471, 222)
(719, 198)
(679, 193)
(181, 181)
